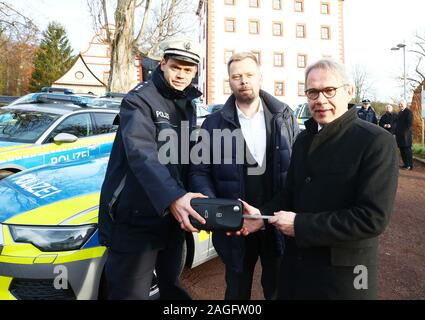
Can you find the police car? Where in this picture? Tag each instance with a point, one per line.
(49, 246)
(45, 133)
(302, 114)
(58, 95)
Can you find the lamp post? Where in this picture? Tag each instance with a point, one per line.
(398, 47)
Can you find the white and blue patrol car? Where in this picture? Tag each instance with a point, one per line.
(49, 246)
(46, 133)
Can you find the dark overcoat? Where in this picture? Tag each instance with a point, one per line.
(389, 118)
(403, 131)
(341, 183)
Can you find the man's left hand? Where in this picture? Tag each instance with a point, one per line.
(284, 221)
(249, 225)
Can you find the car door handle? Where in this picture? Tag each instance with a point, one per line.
(92, 146)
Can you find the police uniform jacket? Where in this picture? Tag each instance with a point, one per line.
(341, 183)
(138, 217)
(367, 115)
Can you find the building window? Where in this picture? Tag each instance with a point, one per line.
(254, 3)
(279, 88)
(301, 89)
(302, 60)
(277, 28)
(254, 26)
(227, 55)
(324, 8)
(257, 55)
(300, 30)
(226, 87)
(278, 59)
(299, 5)
(229, 2)
(277, 4)
(230, 24)
(325, 32)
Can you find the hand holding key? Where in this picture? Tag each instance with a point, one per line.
(253, 220)
(284, 221)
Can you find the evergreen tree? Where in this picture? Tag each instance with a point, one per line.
(53, 58)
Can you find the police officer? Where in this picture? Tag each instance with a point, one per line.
(367, 113)
(144, 206)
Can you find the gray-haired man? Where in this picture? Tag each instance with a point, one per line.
(339, 195)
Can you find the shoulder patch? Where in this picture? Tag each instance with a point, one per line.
(141, 85)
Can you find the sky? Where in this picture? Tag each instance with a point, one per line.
(372, 27)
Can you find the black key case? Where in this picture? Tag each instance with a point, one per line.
(220, 214)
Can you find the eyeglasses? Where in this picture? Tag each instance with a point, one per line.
(328, 92)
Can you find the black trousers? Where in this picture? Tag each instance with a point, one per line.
(129, 274)
(239, 284)
(406, 156)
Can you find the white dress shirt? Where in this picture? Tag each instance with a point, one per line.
(254, 132)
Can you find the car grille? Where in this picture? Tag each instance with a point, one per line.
(39, 289)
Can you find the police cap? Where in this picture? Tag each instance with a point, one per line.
(183, 49)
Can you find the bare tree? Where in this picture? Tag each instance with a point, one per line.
(140, 25)
(417, 84)
(419, 50)
(361, 79)
(18, 39)
(13, 24)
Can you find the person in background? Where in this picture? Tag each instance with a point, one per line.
(389, 119)
(338, 198)
(367, 113)
(266, 128)
(144, 203)
(403, 135)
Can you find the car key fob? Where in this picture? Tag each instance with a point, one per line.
(219, 214)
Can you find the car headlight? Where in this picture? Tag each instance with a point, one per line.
(53, 238)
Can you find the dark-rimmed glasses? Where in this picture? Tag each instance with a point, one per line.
(328, 92)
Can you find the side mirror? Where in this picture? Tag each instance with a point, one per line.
(64, 138)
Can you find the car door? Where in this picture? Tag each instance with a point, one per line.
(87, 144)
(105, 126)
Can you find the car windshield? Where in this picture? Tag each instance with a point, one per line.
(24, 126)
(28, 98)
(105, 103)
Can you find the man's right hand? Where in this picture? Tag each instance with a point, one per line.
(181, 210)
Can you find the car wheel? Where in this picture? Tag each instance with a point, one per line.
(5, 173)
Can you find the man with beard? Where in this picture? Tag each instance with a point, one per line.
(266, 129)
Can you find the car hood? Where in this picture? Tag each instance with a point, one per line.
(50, 194)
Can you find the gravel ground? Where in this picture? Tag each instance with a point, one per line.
(401, 253)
